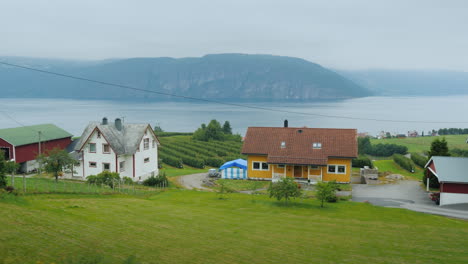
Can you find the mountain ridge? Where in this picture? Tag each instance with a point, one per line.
(229, 76)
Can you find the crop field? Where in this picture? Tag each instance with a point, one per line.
(180, 226)
(423, 144)
(182, 150)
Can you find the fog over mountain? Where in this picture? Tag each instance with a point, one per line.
(221, 76)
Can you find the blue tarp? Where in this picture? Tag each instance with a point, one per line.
(235, 163)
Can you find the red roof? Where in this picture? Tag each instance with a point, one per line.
(298, 144)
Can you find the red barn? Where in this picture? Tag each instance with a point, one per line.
(23, 144)
(452, 173)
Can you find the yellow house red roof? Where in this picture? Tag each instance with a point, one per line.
(289, 145)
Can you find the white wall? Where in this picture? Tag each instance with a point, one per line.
(99, 157)
(144, 170)
(453, 198)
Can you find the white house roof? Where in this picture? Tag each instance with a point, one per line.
(450, 169)
(124, 141)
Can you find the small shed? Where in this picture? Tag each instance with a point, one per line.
(234, 169)
(452, 173)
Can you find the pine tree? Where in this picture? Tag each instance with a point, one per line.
(439, 148)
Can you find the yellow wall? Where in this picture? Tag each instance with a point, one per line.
(338, 177)
(257, 173)
(346, 177)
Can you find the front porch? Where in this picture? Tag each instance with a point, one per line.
(309, 173)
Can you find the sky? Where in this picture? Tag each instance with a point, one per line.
(341, 34)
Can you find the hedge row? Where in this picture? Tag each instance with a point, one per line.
(170, 160)
(418, 159)
(186, 159)
(404, 162)
(361, 161)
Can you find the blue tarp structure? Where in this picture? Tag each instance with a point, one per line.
(234, 169)
(235, 163)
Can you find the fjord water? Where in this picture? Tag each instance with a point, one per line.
(74, 115)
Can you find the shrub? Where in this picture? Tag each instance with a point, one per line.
(160, 180)
(386, 150)
(418, 159)
(105, 177)
(404, 162)
(325, 191)
(127, 180)
(361, 161)
(433, 181)
(284, 189)
(214, 162)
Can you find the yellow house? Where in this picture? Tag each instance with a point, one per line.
(316, 154)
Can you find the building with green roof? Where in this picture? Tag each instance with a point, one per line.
(23, 144)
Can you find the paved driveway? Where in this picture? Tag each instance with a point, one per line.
(193, 181)
(405, 194)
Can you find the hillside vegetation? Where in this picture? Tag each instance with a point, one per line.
(179, 150)
(423, 144)
(197, 227)
(220, 76)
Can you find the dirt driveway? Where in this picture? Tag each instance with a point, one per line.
(193, 181)
(405, 194)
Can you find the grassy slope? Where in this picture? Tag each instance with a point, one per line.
(195, 227)
(422, 144)
(391, 166)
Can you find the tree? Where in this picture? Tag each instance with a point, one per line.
(227, 128)
(3, 179)
(55, 161)
(286, 188)
(158, 129)
(364, 145)
(325, 191)
(439, 148)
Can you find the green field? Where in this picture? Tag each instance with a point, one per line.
(391, 166)
(423, 144)
(176, 150)
(179, 226)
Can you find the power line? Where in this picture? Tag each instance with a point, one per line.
(221, 102)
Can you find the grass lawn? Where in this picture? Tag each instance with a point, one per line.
(422, 144)
(173, 172)
(243, 185)
(180, 226)
(391, 166)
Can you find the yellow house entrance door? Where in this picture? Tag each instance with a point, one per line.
(297, 171)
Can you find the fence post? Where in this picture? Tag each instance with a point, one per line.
(24, 183)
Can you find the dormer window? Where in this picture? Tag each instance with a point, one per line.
(317, 145)
(283, 144)
(98, 134)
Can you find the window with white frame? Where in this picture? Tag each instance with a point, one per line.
(257, 165)
(122, 166)
(146, 160)
(106, 166)
(92, 147)
(92, 164)
(105, 148)
(146, 143)
(337, 169)
(154, 143)
(317, 145)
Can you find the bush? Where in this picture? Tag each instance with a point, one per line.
(404, 162)
(361, 161)
(284, 189)
(160, 180)
(419, 160)
(214, 162)
(386, 150)
(325, 191)
(127, 180)
(459, 152)
(105, 177)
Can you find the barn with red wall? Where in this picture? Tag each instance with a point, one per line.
(23, 144)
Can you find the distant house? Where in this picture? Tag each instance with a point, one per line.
(413, 133)
(316, 154)
(23, 144)
(129, 149)
(452, 173)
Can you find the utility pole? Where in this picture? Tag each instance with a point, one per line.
(40, 151)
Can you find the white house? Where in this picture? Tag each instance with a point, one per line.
(129, 149)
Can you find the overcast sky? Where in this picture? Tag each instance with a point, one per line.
(346, 34)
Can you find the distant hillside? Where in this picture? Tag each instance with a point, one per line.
(223, 76)
(410, 82)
